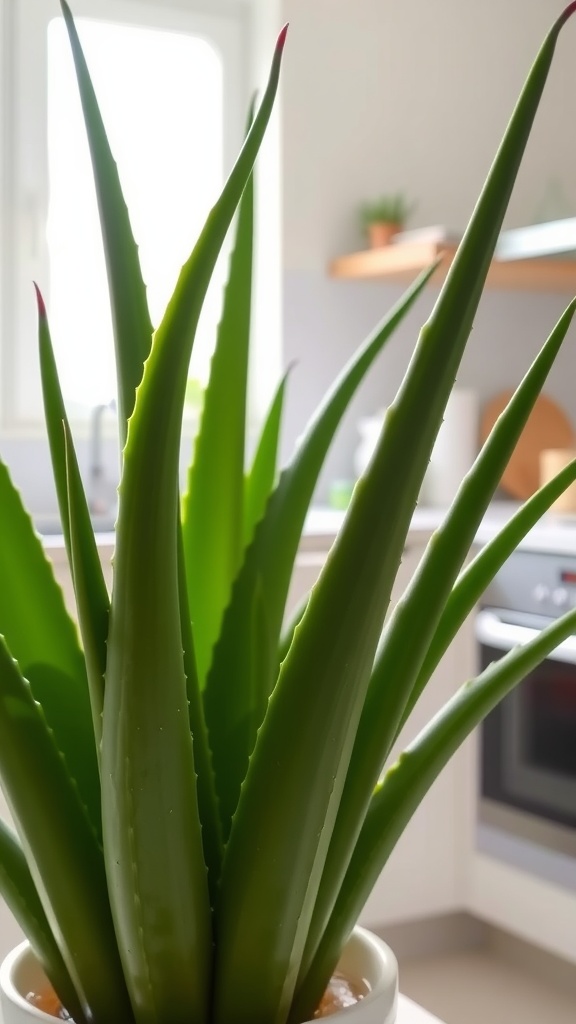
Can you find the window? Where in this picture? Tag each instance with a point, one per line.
(171, 88)
(166, 130)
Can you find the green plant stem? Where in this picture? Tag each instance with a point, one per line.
(18, 889)
(404, 787)
(410, 629)
(261, 587)
(474, 579)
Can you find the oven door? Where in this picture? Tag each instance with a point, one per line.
(528, 744)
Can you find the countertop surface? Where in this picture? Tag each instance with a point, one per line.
(552, 534)
(410, 1013)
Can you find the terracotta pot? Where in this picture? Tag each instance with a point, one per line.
(365, 957)
(381, 233)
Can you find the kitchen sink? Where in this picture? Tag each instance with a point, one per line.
(51, 526)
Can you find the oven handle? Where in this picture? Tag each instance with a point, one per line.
(492, 631)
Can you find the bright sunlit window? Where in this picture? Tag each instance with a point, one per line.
(174, 80)
(161, 97)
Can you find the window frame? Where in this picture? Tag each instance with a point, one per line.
(24, 171)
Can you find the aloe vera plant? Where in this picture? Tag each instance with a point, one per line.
(196, 794)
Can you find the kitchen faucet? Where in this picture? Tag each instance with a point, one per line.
(99, 498)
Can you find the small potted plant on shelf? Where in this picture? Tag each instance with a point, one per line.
(384, 217)
(194, 783)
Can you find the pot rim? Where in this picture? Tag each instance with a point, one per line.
(381, 984)
(8, 986)
(386, 984)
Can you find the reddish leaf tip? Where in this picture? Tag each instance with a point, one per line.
(566, 13)
(282, 39)
(40, 301)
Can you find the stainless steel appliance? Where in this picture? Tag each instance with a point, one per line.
(528, 744)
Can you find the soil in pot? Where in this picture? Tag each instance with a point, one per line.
(48, 1002)
(341, 992)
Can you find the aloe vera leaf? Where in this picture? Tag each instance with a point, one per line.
(416, 616)
(61, 848)
(207, 804)
(262, 474)
(44, 640)
(268, 563)
(150, 811)
(288, 633)
(261, 655)
(316, 704)
(18, 889)
(129, 303)
(473, 581)
(407, 782)
(313, 710)
(212, 508)
(92, 600)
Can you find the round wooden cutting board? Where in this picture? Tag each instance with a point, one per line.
(547, 427)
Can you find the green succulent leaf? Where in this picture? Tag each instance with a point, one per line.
(18, 889)
(129, 303)
(290, 629)
(231, 713)
(207, 803)
(61, 848)
(410, 628)
(92, 599)
(407, 782)
(313, 710)
(234, 757)
(473, 581)
(212, 508)
(44, 640)
(150, 804)
(89, 585)
(336, 641)
(261, 477)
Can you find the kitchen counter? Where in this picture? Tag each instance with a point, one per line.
(410, 1013)
(553, 534)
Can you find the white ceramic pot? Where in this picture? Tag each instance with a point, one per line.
(369, 958)
(365, 957)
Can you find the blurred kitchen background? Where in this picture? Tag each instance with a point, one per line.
(379, 98)
(376, 98)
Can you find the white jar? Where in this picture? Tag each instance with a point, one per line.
(365, 957)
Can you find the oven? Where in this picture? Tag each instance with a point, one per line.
(528, 743)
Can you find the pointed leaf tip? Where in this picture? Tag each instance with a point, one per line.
(566, 14)
(40, 300)
(282, 38)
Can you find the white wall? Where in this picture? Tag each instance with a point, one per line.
(266, 352)
(381, 96)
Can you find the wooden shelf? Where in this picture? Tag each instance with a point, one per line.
(404, 261)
